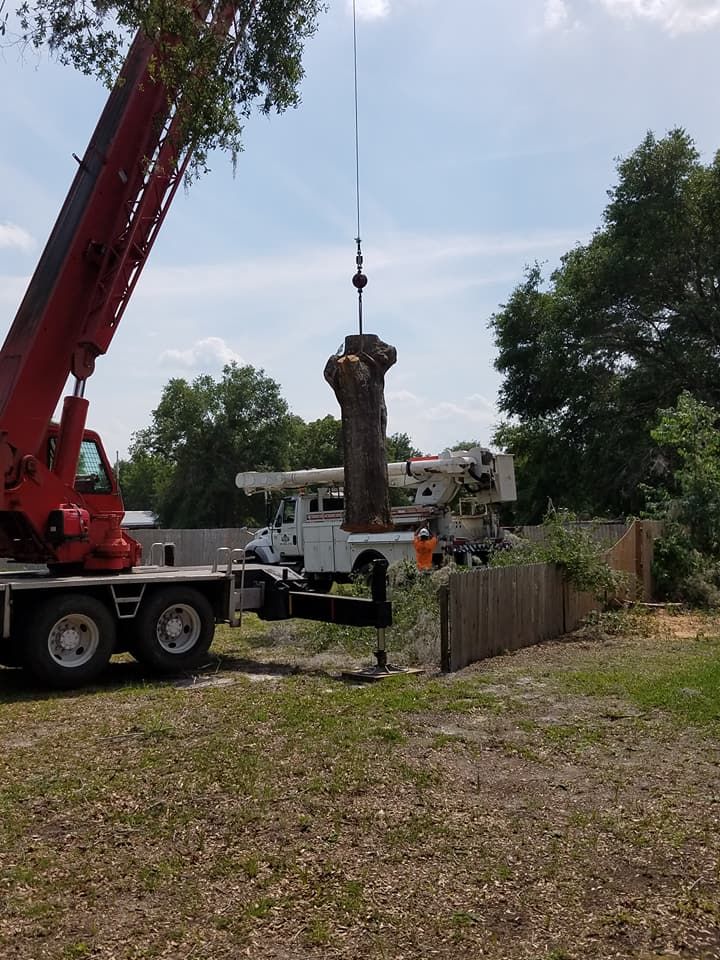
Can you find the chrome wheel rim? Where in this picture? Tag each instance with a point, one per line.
(178, 628)
(73, 641)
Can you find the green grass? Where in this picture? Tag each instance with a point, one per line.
(143, 820)
(687, 686)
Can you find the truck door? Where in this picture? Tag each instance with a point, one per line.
(285, 531)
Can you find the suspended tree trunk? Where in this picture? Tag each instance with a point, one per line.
(358, 378)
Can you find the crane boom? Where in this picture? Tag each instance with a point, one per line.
(91, 263)
(72, 305)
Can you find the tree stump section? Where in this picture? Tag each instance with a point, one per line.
(357, 377)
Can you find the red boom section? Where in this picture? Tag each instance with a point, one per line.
(94, 254)
(73, 304)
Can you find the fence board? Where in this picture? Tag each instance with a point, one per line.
(602, 532)
(502, 608)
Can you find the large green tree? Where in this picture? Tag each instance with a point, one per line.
(317, 444)
(689, 437)
(626, 323)
(221, 59)
(202, 434)
(144, 479)
(399, 447)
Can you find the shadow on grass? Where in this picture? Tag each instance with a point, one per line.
(273, 668)
(17, 686)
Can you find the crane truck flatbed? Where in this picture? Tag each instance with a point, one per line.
(65, 628)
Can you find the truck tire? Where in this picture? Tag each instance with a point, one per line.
(317, 583)
(363, 568)
(174, 629)
(68, 640)
(9, 654)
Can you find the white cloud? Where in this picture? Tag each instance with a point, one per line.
(13, 237)
(556, 14)
(436, 424)
(465, 411)
(402, 396)
(318, 265)
(673, 16)
(371, 9)
(207, 354)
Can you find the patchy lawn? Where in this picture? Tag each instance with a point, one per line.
(563, 802)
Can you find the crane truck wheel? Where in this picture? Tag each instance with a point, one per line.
(174, 629)
(9, 654)
(68, 640)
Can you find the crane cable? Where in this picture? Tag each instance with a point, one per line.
(359, 279)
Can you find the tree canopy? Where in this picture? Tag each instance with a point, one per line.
(317, 444)
(202, 434)
(688, 435)
(183, 465)
(222, 64)
(686, 557)
(626, 323)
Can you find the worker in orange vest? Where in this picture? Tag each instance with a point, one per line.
(425, 544)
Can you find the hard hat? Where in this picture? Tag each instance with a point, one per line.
(424, 534)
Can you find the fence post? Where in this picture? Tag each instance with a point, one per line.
(444, 599)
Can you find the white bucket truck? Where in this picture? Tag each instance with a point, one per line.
(454, 495)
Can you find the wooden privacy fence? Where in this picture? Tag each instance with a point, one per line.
(193, 548)
(492, 610)
(601, 532)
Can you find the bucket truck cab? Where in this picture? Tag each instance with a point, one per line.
(454, 495)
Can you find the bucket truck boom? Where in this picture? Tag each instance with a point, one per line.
(454, 494)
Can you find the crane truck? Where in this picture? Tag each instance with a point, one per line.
(454, 495)
(60, 507)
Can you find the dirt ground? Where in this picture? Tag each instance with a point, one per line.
(559, 803)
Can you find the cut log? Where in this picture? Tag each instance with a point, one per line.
(358, 378)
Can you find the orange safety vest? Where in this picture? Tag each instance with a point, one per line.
(424, 551)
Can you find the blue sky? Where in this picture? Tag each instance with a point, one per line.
(488, 133)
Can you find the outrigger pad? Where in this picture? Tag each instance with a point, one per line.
(376, 672)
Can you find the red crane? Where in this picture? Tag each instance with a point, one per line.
(60, 503)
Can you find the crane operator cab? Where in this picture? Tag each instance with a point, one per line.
(92, 474)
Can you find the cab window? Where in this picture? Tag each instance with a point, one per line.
(91, 470)
(91, 475)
